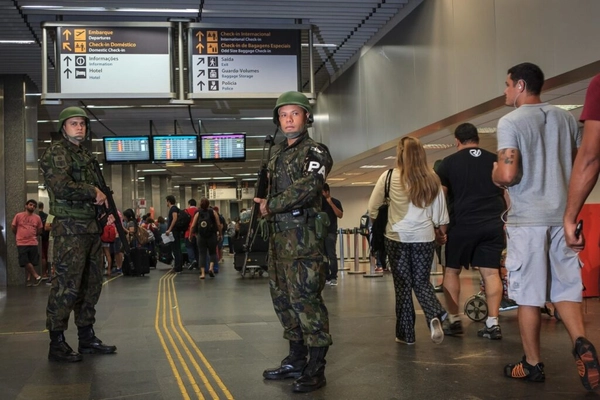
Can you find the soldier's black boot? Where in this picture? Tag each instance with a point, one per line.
(313, 376)
(59, 349)
(90, 344)
(292, 365)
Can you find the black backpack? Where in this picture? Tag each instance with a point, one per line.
(206, 225)
(183, 221)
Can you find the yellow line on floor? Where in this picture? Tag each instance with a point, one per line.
(213, 373)
(111, 279)
(203, 377)
(162, 340)
(24, 333)
(173, 344)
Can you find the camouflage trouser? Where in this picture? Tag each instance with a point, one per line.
(297, 277)
(78, 282)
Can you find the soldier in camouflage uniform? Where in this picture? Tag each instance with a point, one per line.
(74, 195)
(297, 172)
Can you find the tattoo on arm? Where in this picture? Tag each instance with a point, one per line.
(508, 156)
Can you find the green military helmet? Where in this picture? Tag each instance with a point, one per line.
(71, 112)
(292, 98)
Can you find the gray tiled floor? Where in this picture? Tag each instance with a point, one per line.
(235, 335)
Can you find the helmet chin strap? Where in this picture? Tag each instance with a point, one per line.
(293, 135)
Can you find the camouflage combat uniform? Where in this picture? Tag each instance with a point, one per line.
(70, 180)
(296, 256)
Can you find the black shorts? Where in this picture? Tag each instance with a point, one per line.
(27, 255)
(475, 246)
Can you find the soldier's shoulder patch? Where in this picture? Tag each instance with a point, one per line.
(60, 161)
(317, 149)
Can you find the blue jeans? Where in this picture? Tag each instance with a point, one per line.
(192, 249)
(330, 250)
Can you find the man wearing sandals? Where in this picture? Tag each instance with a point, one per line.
(537, 143)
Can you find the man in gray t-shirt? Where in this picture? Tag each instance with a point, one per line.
(537, 143)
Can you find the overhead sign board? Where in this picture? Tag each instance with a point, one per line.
(98, 61)
(233, 61)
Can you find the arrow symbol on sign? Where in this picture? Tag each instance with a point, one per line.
(200, 35)
(68, 72)
(201, 84)
(67, 59)
(66, 47)
(202, 73)
(66, 34)
(200, 61)
(200, 47)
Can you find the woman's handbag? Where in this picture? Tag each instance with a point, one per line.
(380, 223)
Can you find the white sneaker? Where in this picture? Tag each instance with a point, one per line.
(328, 282)
(437, 333)
(333, 282)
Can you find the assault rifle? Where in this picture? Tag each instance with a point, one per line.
(261, 191)
(111, 209)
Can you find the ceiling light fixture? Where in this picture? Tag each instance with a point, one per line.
(2, 41)
(152, 170)
(115, 9)
(437, 146)
(321, 45)
(373, 166)
(336, 179)
(362, 183)
(569, 107)
(486, 129)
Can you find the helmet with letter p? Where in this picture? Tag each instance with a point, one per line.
(292, 98)
(71, 112)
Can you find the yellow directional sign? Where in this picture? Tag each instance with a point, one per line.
(65, 46)
(80, 47)
(212, 36)
(200, 47)
(80, 34)
(67, 33)
(213, 48)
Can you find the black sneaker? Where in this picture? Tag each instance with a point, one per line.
(587, 363)
(524, 370)
(452, 328)
(493, 333)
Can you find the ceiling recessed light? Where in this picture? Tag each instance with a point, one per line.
(374, 166)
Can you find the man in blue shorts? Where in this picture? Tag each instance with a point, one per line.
(537, 143)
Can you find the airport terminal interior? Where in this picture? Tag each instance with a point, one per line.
(194, 72)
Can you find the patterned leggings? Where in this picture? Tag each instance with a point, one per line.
(411, 265)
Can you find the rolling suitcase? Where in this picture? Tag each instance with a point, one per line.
(139, 265)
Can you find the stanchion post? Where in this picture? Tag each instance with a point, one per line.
(356, 255)
(341, 241)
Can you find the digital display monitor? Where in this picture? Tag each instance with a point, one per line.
(127, 149)
(223, 147)
(175, 148)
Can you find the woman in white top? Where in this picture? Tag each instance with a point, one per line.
(416, 219)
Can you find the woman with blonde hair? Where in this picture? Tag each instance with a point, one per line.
(417, 217)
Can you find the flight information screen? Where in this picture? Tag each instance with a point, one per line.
(175, 148)
(126, 149)
(223, 147)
